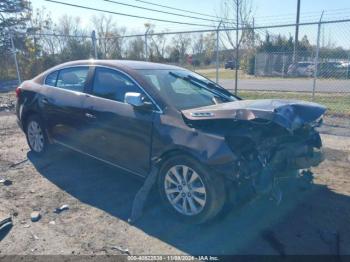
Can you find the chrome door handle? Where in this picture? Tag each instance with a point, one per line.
(45, 101)
(90, 115)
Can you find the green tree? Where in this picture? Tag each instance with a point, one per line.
(13, 17)
(14, 13)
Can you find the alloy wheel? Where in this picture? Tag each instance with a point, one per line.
(35, 136)
(185, 190)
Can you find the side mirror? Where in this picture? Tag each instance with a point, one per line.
(137, 100)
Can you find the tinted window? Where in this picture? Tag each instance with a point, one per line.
(72, 78)
(51, 79)
(184, 94)
(112, 85)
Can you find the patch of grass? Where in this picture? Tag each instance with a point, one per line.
(223, 73)
(337, 104)
(230, 74)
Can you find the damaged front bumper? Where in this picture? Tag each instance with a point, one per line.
(274, 158)
(297, 155)
(294, 156)
(314, 158)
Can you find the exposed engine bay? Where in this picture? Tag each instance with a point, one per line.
(267, 140)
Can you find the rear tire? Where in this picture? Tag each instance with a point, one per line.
(36, 135)
(189, 191)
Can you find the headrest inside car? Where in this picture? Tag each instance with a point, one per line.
(70, 78)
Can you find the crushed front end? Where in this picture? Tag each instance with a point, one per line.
(269, 138)
(269, 152)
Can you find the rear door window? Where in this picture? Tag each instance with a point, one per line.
(51, 79)
(73, 78)
(112, 85)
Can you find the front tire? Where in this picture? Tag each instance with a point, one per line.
(190, 191)
(36, 136)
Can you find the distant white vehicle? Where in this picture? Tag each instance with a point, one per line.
(299, 69)
(330, 69)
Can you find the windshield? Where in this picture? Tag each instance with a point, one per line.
(185, 89)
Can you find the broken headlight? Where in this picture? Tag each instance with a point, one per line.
(318, 122)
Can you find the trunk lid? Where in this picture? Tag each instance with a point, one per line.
(290, 114)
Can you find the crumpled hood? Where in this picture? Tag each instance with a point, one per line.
(291, 114)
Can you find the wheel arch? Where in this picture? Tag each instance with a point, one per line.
(26, 115)
(175, 152)
(31, 112)
(216, 185)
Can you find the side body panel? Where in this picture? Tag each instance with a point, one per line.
(171, 134)
(64, 112)
(119, 133)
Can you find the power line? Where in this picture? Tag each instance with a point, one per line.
(129, 15)
(228, 19)
(280, 17)
(182, 10)
(53, 34)
(303, 14)
(160, 11)
(259, 28)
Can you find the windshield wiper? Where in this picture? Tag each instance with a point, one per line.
(201, 84)
(214, 86)
(211, 84)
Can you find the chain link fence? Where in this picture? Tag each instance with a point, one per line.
(318, 70)
(267, 65)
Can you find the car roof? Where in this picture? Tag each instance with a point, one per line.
(129, 67)
(127, 64)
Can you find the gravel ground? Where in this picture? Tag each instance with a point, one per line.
(7, 101)
(100, 199)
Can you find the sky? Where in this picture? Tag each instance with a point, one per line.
(264, 11)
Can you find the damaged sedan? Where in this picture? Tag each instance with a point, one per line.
(205, 142)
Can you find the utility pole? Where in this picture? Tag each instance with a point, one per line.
(146, 47)
(296, 38)
(148, 26)
(15, 58)
(253, 31)
(237, 51)
(217, 52)
(254, 50)
(93, 38)
(316, 56)
(323, 36)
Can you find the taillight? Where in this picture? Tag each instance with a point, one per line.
(18, 92)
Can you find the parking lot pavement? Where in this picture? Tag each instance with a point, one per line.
(292, 85)
(100, 200)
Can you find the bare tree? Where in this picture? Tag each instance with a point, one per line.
(73, 40)
(241, 11)
(41, 22)
(203, 47)
(135, 49)
(198, 45)
(109, 36)
(237, 14)
(158, 46)
(181, 43)
(209, 46)
(67, 27)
